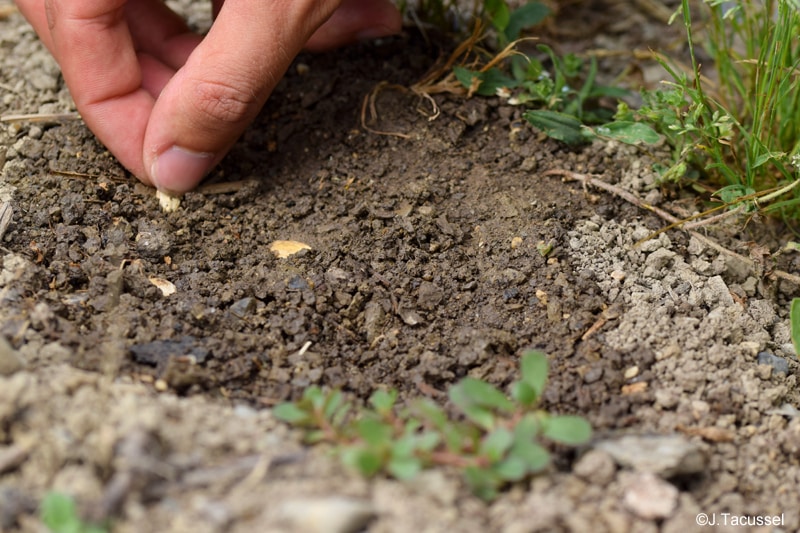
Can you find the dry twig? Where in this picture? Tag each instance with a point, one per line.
(40, 117)
(6, 212)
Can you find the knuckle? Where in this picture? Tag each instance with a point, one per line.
(217, 101)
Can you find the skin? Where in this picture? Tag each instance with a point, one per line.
(169, 103)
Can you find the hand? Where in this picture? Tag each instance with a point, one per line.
(168, 103)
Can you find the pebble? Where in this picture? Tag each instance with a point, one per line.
(10, 361)
(660, 258)
(327, 515)
(718, 292)
(596, 467)
(243, 308)
(648, 496)
(778, 364)
(663, 455)
(153, 241)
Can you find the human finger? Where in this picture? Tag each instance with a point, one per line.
(226, 80)
(356, 20)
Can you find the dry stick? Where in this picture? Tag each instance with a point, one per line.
(6, 213)
(633, 199)
(40, 117)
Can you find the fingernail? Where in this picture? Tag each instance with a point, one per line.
(178, 170)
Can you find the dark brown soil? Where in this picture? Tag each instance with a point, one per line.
(439, 254)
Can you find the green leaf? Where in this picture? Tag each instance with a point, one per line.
(333, 401)
(487, 82)
(375, 433)
(524, 394)
(794, 318)
(483, 482)
(430, 412)
(365, 461)
(525, 17)
(290, 412)
(496, 444)
(533, 455)
(511, 469)
(568, 429)
(499, 13)
(629, 132)
(315, 397)
(534, 368)
(383, 401)
(58, 513)
(559, 126)
(427, 441)
(404, 467)
(471, 391)
(480, 416)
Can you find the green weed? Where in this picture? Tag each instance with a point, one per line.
(59, 514)
(494, 438)
(736, 120)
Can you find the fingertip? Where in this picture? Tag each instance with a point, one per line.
(177, 170)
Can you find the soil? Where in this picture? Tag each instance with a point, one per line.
(445, 252)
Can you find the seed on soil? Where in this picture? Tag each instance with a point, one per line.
(634, 388)
(631, 372)
(333, 514)
(166, 287)
(516, 242)
(167, 202)
(284, 249)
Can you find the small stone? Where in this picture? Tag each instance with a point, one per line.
(326, 515)
(663, 455)
(648, 496)
(10, 361)
(778, 364)
(153, 241)
(661, 258)
(717, 291)
(243, 308)
(596, 467)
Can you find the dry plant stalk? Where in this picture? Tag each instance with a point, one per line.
(441, 78)
(6, 213)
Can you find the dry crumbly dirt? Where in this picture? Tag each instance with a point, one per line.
(425, 266)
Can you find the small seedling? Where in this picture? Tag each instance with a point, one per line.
(60, 515)
(494, 439)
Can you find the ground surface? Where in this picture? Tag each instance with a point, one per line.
(424, 267)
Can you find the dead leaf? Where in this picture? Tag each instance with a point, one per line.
(284, 249)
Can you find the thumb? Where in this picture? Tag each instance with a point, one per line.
(209, 102)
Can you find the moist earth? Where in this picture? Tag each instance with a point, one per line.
(141, 350)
